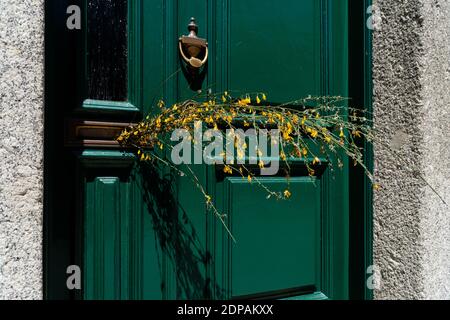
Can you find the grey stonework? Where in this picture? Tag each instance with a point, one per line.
(411, 108)
(412, 111)
(21, 147)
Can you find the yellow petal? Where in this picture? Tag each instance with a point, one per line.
(357, 133)
(261, 164)
(287, 194)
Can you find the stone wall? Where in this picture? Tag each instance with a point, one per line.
(412, 111)
(21, 147)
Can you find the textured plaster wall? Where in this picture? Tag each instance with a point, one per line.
(436, 163)
(21, 148)
(412, 110)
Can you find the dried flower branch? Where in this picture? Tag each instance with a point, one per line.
(310, 129)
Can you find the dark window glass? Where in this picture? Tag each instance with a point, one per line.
(107, 50)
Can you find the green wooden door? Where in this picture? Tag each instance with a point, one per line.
(147, 235)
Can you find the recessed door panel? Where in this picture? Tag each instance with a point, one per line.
(278, 242)
(274, 46)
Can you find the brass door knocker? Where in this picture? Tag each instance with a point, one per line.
(193, 49)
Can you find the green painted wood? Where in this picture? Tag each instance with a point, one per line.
(275, 47)
(102, 239)
(368, 157)
(278, 242)
(119, 241)
(108, 106)
(312, 296)
(247, 31)
(149, 235)
(361, 191)
(135, 233)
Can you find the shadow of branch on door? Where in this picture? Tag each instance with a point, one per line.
(177, 237)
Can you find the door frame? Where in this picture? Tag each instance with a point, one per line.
(59, 220)
(361, 195)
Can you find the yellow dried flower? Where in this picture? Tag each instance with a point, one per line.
(304, 120)
(227, 169)
(287, 194)
(305, 152)
(261, 164)
(356, 133)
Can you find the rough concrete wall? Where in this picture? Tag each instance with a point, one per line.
(436, 162)
(411, 111)
(21, 148)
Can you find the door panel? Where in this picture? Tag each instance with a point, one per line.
(278, 242)
(275, 47)
(116, 248)
(283, 248)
